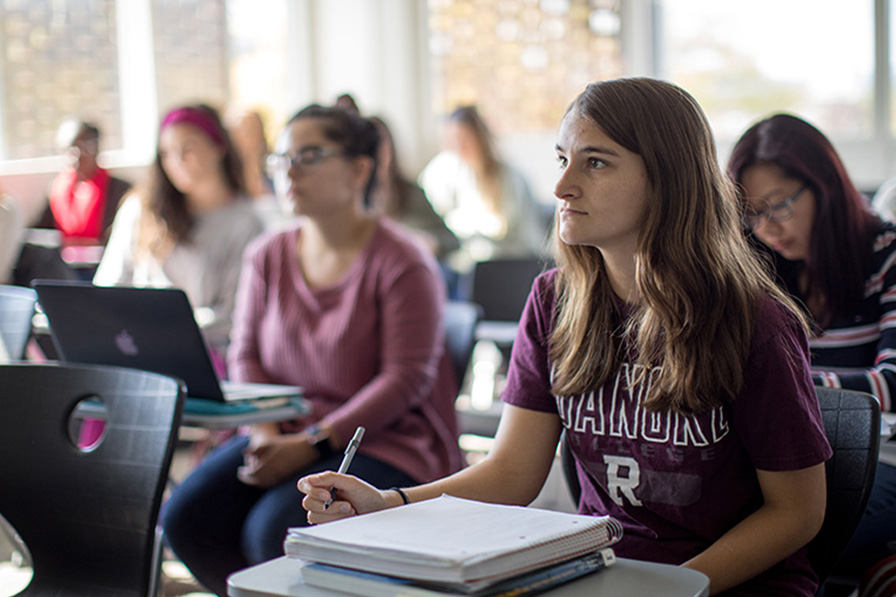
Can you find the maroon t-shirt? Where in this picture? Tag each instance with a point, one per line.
(679, 482)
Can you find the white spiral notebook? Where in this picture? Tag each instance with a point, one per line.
(453, 540)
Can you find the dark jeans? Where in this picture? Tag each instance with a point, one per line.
(217, 525)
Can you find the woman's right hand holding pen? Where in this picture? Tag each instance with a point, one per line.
(353, 496)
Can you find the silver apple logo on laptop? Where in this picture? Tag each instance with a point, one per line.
(125, 343)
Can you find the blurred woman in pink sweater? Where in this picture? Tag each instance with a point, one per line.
(349, 307)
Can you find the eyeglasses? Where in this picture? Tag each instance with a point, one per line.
(278, 163)
(775, 212)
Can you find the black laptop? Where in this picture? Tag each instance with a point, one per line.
(143, 328)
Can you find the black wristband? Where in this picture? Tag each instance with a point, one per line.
(321, 442)
(404, 496)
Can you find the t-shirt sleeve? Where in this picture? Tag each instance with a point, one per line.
(528, 375)
(777, 415)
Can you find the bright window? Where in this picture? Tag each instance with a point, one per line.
(57, 59)
(259, 64)
(117, 63)
(190, 48)
(520, 61)
(815, 59)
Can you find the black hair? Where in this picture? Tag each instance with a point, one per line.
(356, 136)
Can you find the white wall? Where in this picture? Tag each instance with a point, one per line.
(376, 51)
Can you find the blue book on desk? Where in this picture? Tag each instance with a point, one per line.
(380, 585)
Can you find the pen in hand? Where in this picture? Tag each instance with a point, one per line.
(350, 450)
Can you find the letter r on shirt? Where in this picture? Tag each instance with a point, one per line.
(619, 486)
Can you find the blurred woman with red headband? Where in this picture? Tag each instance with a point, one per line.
(188, 226)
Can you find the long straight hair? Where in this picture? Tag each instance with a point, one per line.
(699, 282)
(489, 174)
(844, 228)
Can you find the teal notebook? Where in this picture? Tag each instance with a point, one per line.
(203, 406)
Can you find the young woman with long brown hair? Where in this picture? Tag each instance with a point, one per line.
(677, 368)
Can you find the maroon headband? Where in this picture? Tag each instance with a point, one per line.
(197, 118)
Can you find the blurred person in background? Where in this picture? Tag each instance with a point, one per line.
(188, 225)
(247, 132)
(398, 198)
(485, 201)
(246, 128)
(348, 306)
(83, 197)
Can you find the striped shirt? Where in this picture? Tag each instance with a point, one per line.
(858, 350)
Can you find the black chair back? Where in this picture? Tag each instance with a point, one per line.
(852, 425)
(501, 286)
(87, 516)
(16, 310)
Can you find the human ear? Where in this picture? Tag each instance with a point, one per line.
(363, 168)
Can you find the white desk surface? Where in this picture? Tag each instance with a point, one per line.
(887, 451)
(501, 332)
(629, 578)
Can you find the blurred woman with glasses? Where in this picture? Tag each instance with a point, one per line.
(838, 258)
(349, 307)
(188, 226)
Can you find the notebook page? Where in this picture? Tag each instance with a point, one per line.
(453, 534)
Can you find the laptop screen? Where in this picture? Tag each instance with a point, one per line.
(143, 328)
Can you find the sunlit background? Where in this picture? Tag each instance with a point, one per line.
(123, 62)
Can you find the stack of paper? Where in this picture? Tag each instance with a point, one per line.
(452, 540)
